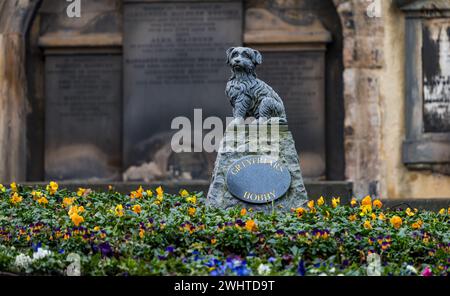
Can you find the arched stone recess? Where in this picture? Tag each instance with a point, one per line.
(15, 19)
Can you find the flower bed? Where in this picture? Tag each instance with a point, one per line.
(148, 232)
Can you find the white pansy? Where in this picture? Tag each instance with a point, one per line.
(41, 253)
(263, 269)
(411, 269)
(23, 261)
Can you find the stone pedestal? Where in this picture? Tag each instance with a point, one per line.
(237, 143)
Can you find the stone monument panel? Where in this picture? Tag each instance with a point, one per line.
(299, 78)
(83, 117)
(436, 78)
(174, 62)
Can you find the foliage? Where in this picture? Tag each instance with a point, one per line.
(148, 232)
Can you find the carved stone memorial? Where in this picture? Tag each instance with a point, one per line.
(257, 164)
(83, 117)
(173, 63)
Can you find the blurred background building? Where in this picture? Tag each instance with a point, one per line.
(88, 92)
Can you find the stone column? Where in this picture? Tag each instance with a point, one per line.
(15, 17)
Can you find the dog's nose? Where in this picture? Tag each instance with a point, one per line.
(237, 61)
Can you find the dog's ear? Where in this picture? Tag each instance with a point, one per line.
(257, 57)
(229, 51)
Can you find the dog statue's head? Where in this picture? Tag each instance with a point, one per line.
(243, 59)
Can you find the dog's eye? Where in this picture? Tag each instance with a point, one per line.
(245, 54)
(234, 54)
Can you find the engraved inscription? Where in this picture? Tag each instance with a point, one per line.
(174, 62)
(83, 117)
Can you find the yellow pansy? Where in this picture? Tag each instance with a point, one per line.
(442, 211)
(184, 193)
(409, 212)
(381, 217)
(13, 186)
(213, 241)
(320, 201)
(42, 200)
(335, 202)
(159, 191)
(137, 209)
(119, 210)
(2, 188)
(81, 191)
(16, 198)
(396, 221)
(149, 193)
(192, 199)
(311, 204)
(36, 194)
(141, 233)
(352, 218)
(67, 201)
(354, 202)
(191, 211)
(52, 187)
(367, 225)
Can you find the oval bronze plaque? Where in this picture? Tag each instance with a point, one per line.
(258, 179)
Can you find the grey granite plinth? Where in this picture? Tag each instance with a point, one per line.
(243, 143)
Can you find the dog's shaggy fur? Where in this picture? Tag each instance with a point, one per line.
(250, 96)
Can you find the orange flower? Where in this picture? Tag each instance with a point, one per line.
(417, 225)
(141, 233)
(381, 217)
(76, 219)
(367, 201)
(138, 193)
(137, 209)
(300, 212)
(191, 211)
(42, 200)
(243, 212)
(396, 221)
(352, 218)
(213, 241)
(67, 201)
(377, 203)
(16, 198)
(250, 225)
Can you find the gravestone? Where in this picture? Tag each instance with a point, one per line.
(83, 116)
(427, 70)
(173, 63)
(299, 78)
